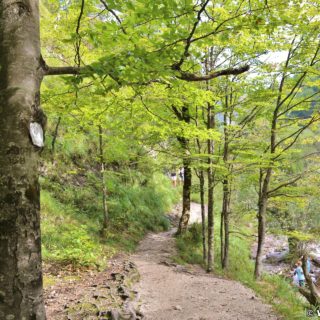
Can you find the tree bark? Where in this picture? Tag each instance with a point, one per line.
(203, 216)
(222, 247)
(264, 183)
(184, 116)
(226, 195)
(262, 209)
(200, 173)
(210, 262)
(226, 214)
(186, 202)
(20, 246)
(103, 183)
(210, 146)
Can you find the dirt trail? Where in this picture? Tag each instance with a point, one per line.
(173, 292)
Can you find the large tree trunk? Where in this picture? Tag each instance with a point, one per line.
(20, 78)
(187, 182)
(103, 183)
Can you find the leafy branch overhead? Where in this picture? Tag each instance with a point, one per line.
(136, 48)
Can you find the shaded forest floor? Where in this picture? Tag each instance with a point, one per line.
(80, 295)
(166, 291)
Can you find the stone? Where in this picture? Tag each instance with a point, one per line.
(114, 315)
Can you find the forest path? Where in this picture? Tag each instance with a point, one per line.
(172, 292)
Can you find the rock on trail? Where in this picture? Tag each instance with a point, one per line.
(172, 292)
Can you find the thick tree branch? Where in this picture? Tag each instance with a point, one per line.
(53, 71)
(187, 76)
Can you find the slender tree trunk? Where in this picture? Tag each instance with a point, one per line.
(226, 193)
(263, 192)
(210, 147)
(261, 237)
(55, 135)
(262, 209)
(210, 262)
(103, 183)
(226, 214)
(184, 116)
(203, 217)
(200, 175)
(186, 202)
(222, 247)
(21, 130)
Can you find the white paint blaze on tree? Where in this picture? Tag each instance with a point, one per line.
(36, 134)
(20, 77)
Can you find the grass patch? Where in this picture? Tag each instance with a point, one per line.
(72, 219)
(48, 280)
(67, 236)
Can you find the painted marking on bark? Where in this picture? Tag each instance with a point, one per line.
(36, 133)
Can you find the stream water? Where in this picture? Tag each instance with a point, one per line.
(275, 251)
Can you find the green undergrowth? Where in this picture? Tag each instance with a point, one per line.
(273, 289)
(72, 217)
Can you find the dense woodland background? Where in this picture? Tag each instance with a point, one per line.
(228, 90)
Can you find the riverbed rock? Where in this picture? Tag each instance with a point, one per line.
(277, 256)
